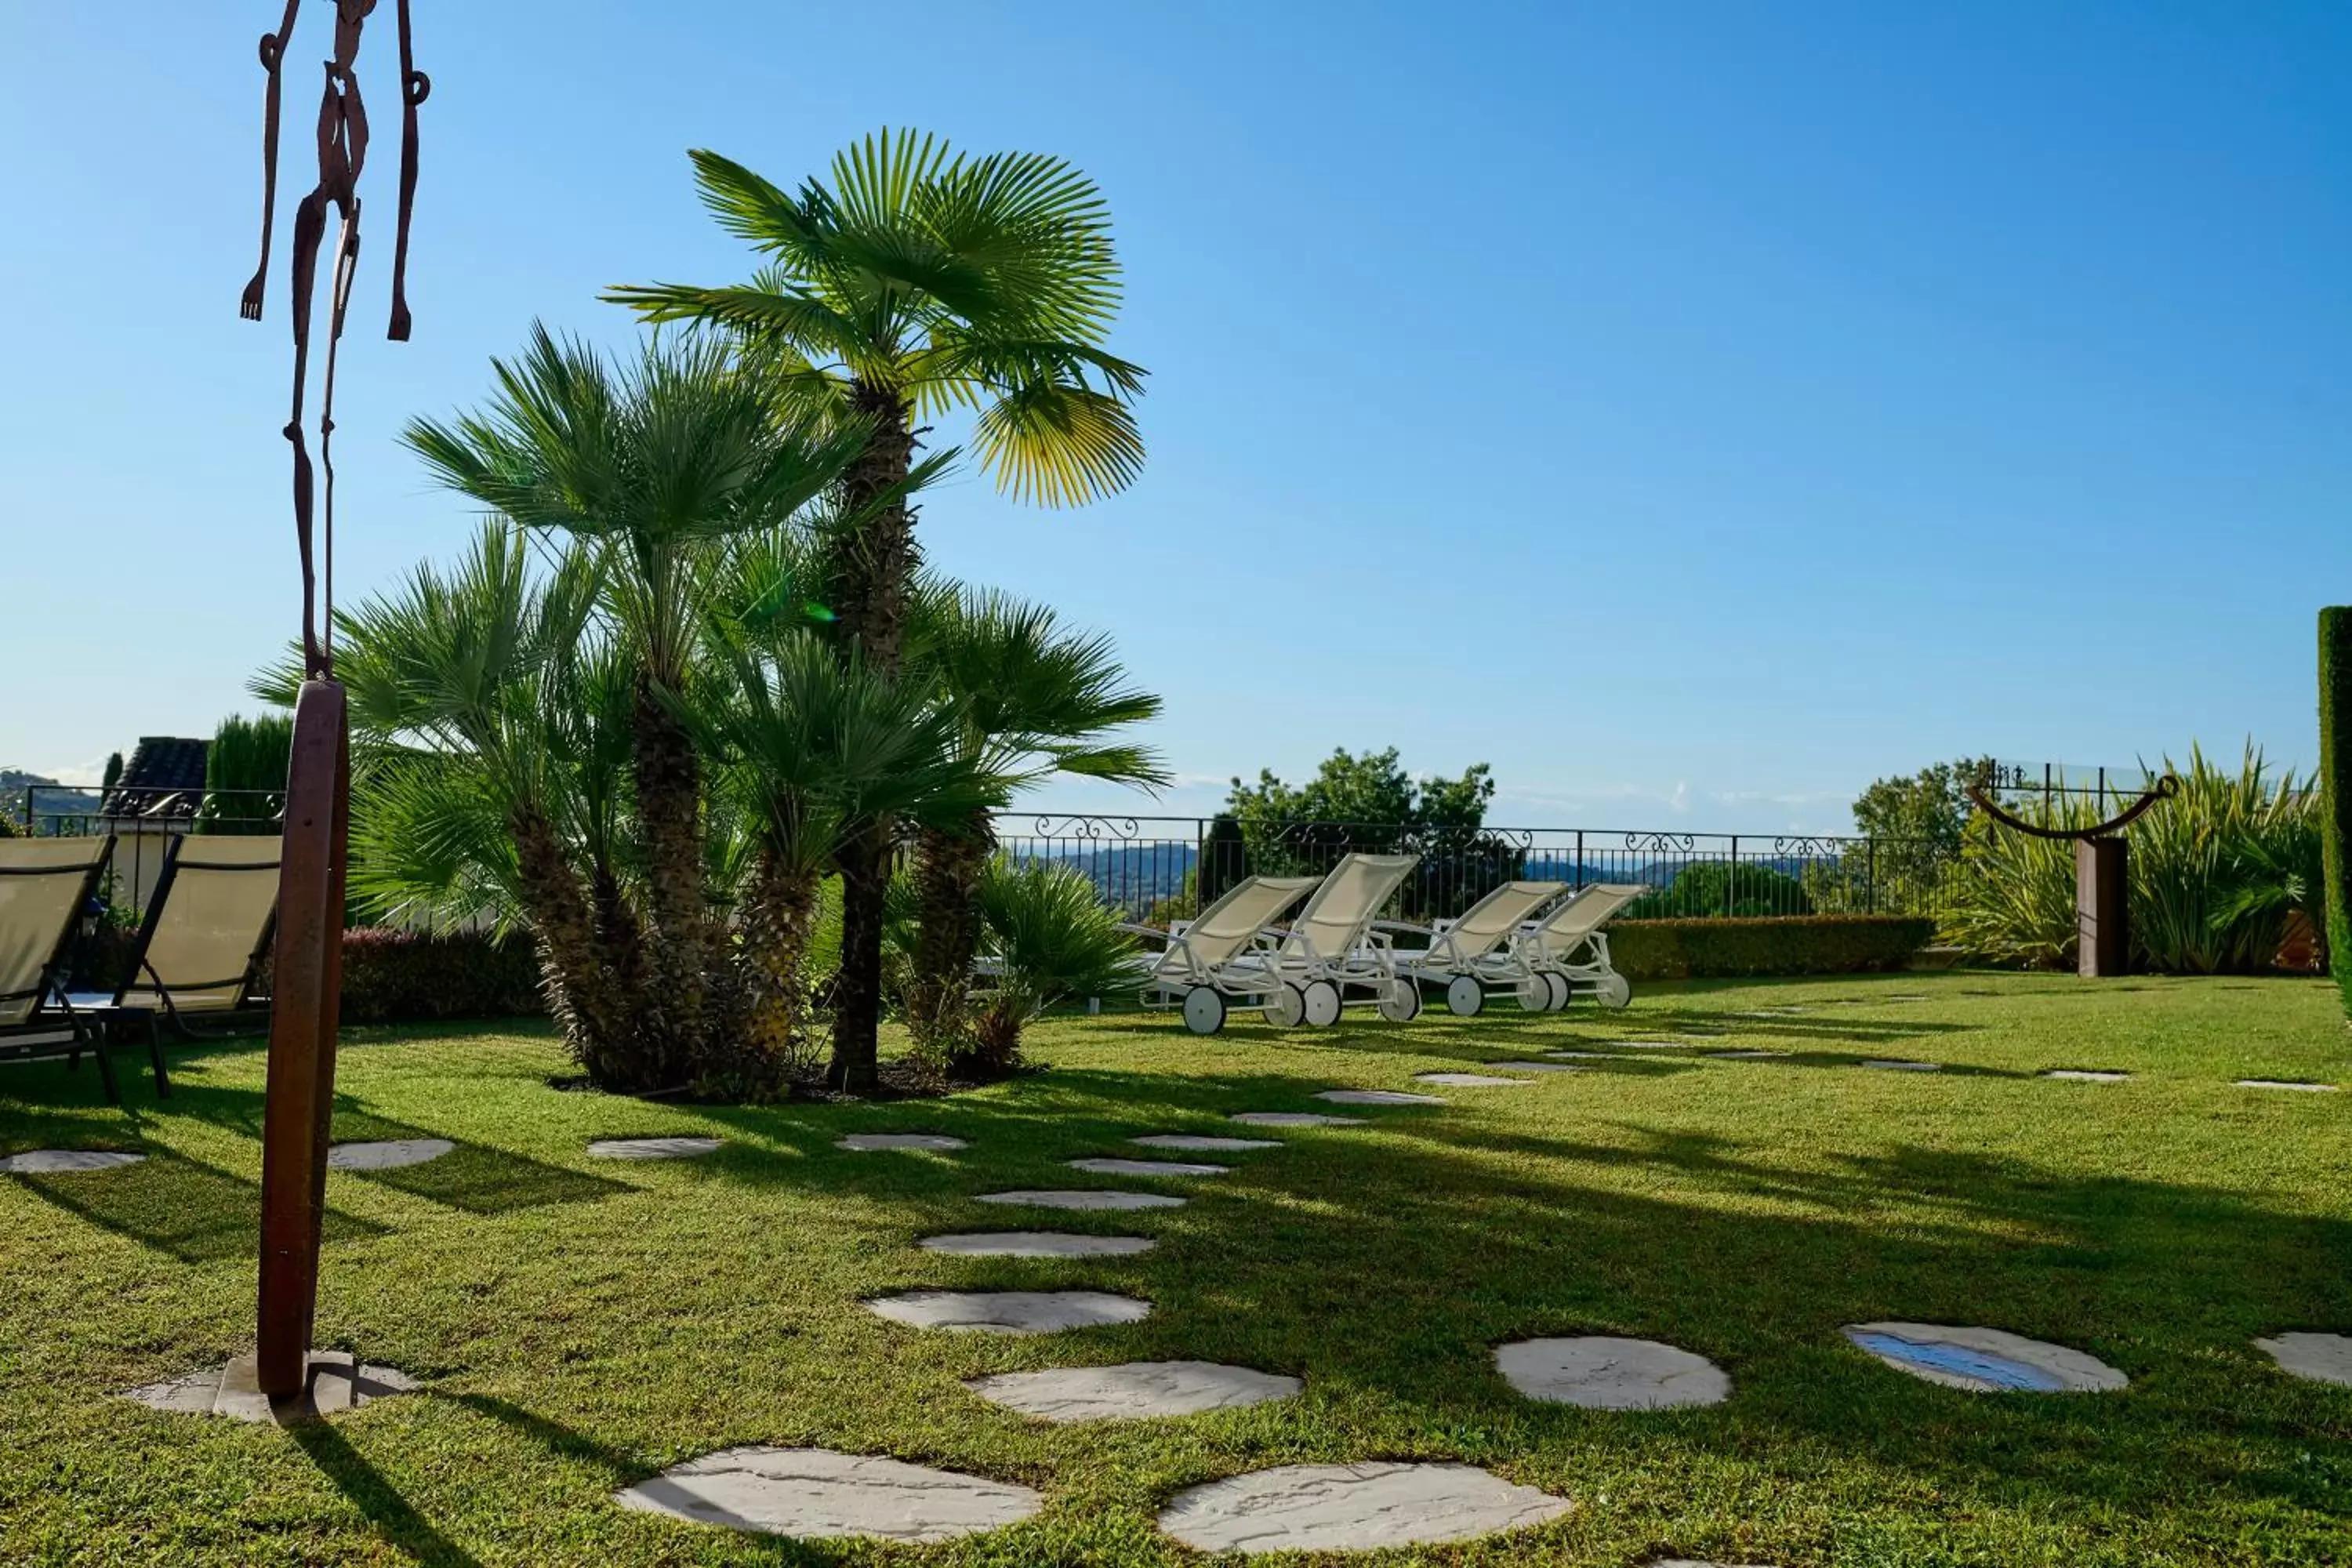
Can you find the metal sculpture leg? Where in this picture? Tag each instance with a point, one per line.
(306, 987)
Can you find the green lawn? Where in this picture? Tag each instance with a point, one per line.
(580, 1324)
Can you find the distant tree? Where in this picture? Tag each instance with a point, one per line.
(1224, 861)
(1708, 890)
(1370, 804)
(113, 774)
(1919, 821)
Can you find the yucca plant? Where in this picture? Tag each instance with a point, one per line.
(2217, 873)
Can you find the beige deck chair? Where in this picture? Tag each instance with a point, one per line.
(45, 885)
(1332, 949)
(1474, 954)
(1569, 945)
(1208, 961)
(207, 931)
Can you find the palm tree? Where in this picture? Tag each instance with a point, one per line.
(920, 281)
(811, 751)
(1053, 937)
(1031, 698)
(647, 464)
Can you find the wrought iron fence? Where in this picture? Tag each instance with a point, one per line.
(1171, 865)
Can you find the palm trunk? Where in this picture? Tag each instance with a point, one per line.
(948, 879)
(868, 570)
(586, 992)
(669, 777)
(779, 912)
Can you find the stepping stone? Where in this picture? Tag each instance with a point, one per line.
(651, 1148)
(868, 1142)
(1535, 1067)
(1352, 1507)
(1132, 1391)
(1087, 1198)
(1984, 1361)
(815, 1493)
(1886, 1065)
(1147, 1168)
(1035, 1244)
(2320, 1358)
(1743, 1055)
(337, 1383)
(1470, 1080)
(48, 1162)
(1293, 1118)
(1010, 1312)
(1377, 1097)
(1585, 1056)
(388, 1156)
(2086, 1075)
(1602, 1374)
(1202, 1144)
(2284, 1083)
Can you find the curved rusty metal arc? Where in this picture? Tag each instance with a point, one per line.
(2165, 789)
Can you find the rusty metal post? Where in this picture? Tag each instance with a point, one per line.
(305, 991)
(2101, 907)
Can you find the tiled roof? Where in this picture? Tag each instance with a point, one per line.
(163, 779)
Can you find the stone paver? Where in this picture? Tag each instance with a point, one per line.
(815, 1493)
(1650, 1044)
(1470, 1080)
(1585, 1056)
(1083, 1198)
(651, 1148)
(1888, 1063)
(1743, 1055)
(1202, 1143)
(2086, 1075)
(1352, 1507)
(1984, 1361)
(1010, 1312)
(1035, 1244)
(1604, 1374)
(48, 1161)
(865, 1142)
(1293, 1118)
(1113, 1167)
(2321, 1358)
(2284, 1083)
(1377, 1097)
(1132, 1391)
(337, 1383)
(390, 1154)
(1534, 1067)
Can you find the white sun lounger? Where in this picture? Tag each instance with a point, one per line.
(1474, 954)
(1332, 949)
(1222, 955)
(1569, 943)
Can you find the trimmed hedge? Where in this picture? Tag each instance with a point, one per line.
(401, 976)
(1798, 945)
(2335, 787)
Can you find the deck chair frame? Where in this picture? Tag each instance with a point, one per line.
(54, 1026)
(1580, 958)
(1359, 969)
(1471, 967)
(1206, 989)
(244, 1010)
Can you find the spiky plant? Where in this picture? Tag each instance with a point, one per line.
(1050, 937)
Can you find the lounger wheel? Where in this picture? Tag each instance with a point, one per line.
(1464, 996)
(1534, 993)
(1322, 1000)
(1286, 1009)
(1558, 985)
(1400, 1000)
(1614, 991)
(1204, 1010)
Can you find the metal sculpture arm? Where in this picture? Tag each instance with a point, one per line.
(273, 52)
(415, 87)
(2164, 788)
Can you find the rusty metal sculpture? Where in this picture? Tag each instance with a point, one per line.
(2101, 866)
(307, 969)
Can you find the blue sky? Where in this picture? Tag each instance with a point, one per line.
(1694, 410)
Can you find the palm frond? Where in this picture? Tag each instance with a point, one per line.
(1056, 445)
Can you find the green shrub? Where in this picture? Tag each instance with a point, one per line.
(1052, 937)
(2336, 784)
(246, 756)
(1729, 947)
(1716, 889)
(2217, 873)
(401, 976)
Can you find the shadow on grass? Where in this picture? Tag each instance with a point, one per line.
(471, 1177)
(196, 1213)
(366, 1486)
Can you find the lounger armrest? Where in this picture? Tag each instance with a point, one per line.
(1144, 931)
